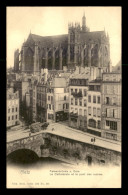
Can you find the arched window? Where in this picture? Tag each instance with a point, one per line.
(94, 55)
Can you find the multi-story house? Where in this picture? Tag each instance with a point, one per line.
(34, 101)
(111, 106)
(57, 99)
(78, 88)
(23, 87)
(41, 105)
(94, 107)
(28, 106)
(12, 113)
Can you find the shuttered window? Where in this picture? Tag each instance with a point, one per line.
(94, 111)
(71, 101)
(85, 112)
(115, 113)
(98, 112)
(89, 98)
(89, 110)
(80, 102)
(80, 111)
(85, 92)
(85, 103)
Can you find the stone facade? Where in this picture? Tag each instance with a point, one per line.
(12, 113)
(111, 106)
(81, 152)
(57, 99)
(41, 105)
(78, 103)
(94, 107)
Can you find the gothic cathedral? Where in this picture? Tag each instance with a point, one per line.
(79, 47)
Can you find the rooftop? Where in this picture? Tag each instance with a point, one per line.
(11, 94)
(92, 36)
(48, 41)
(80, 73)
(96, 81)
(59, 82)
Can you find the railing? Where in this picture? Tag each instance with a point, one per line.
(111, 104)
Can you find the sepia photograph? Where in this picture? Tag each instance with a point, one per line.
(63, 97)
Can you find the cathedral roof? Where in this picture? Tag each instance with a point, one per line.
(92, 36)
(48, 41)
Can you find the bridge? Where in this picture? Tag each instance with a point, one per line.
(66, 143)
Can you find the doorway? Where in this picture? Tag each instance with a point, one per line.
(89, 160)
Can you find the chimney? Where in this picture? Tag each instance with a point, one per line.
(79, 69)
(94, 73)
(100, 74)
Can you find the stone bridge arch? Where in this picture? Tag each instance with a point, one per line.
(32, 143)
(22, 156)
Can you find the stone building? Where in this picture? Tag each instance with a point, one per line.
(28, 106)
(34, 100)
(94, 107)
(41, 104)
(22, 86)
(78, 95)
(78, 47)
(12, 112)
(57, 99)
(78, 88)
(111, 106)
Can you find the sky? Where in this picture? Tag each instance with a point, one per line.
(47, 21)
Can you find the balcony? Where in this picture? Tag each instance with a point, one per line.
(110, 104)
(77, 95)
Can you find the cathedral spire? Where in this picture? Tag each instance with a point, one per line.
(84, 23)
